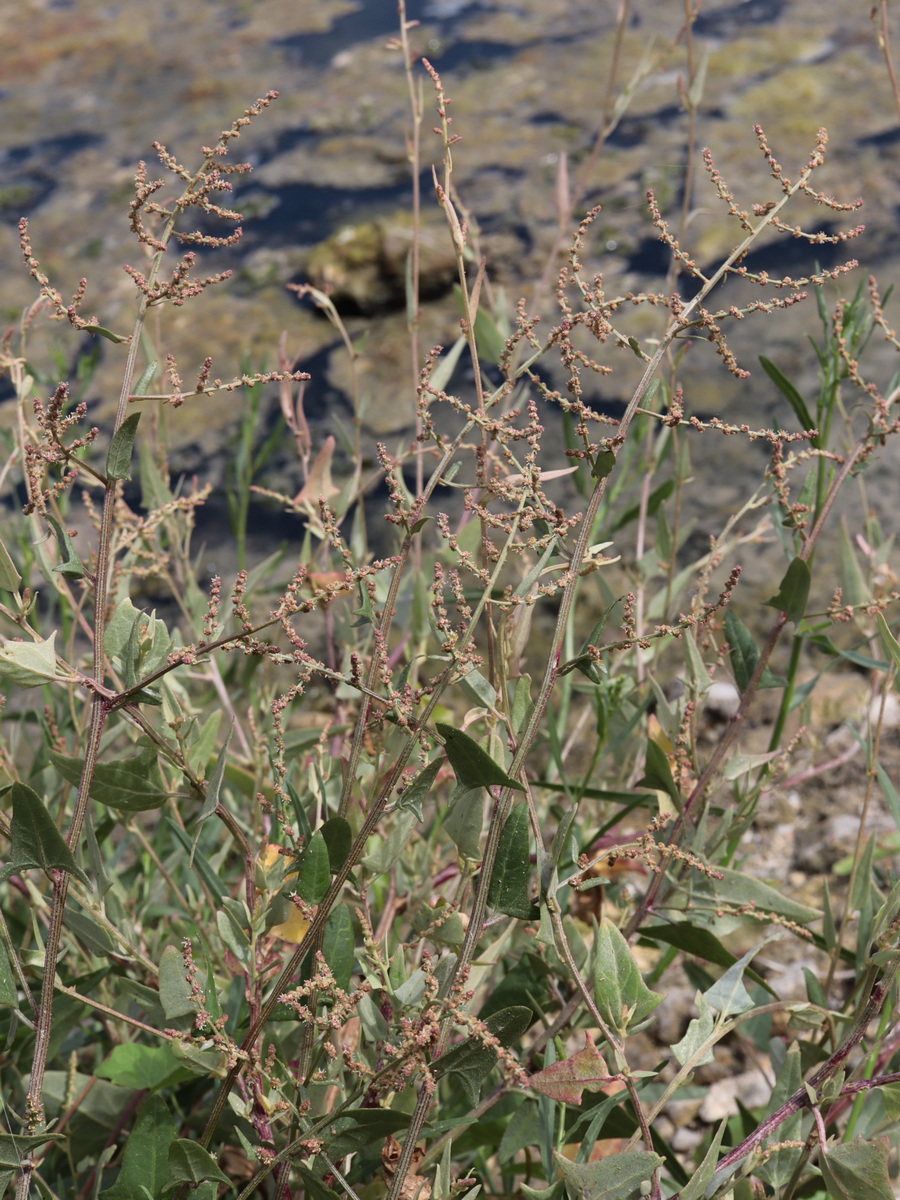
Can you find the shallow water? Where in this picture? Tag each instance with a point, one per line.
(88, 87)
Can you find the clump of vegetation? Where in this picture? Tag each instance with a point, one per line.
(378, 883)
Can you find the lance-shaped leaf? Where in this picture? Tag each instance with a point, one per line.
(790, 393)
(745, 655)
(71, 566)
(337, 945)
(793, 593)
(36, 842)
(9, 576)
(118, 456)
(463, 820)
(620, 993)
(565, 1080)
(890, 643)
(314, 870)
(658, 774)
(508, 891)
(473, 766)
(130, 785)
(145, 1162)
(213, 787)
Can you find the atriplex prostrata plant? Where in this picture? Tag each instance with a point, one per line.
(379, 857)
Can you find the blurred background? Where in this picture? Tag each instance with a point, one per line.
(86, 88)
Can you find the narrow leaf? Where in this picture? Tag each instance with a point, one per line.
(213, 787)
(337, 945)
(508, 891)
(146, 378)
(71, 566)
(118, 456)
(790, 393)
(9, 576)
(657, 497)
(890, 643)
(658, 775)
(199, 861)
(313, 870)
(758, 898)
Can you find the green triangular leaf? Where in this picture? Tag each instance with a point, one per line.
(473, 766)
(619, 990)
(130, 785)
(29, 664)
(190, 1163)
(744, 655)
(15, 1147)
(728, 994)
(693, 1046)
(619, 1177)
(36, 842)
(793, 592)
(857, 1170)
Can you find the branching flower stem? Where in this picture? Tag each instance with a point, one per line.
(503, 802)
(99, 708)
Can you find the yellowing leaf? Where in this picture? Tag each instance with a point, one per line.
(293, 929)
